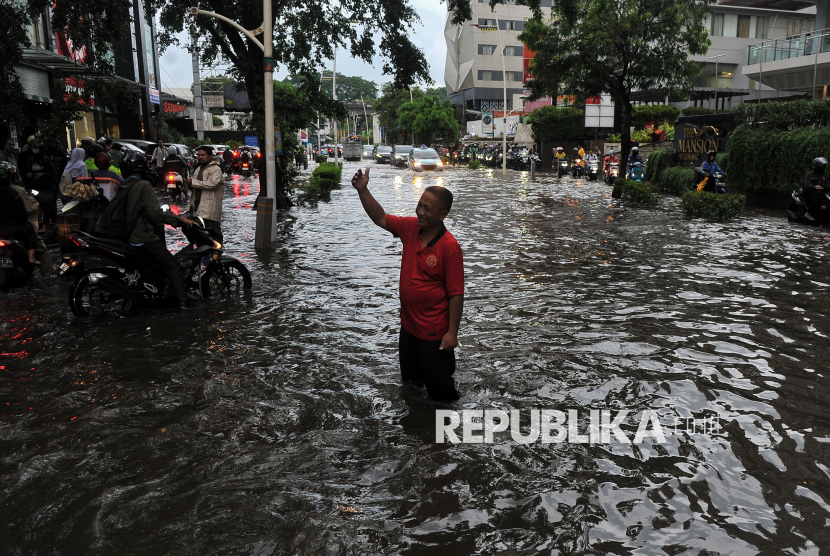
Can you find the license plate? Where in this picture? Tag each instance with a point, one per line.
(6, 263)
(171, 186)
(64, 267)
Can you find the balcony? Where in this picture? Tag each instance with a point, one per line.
(799, 63)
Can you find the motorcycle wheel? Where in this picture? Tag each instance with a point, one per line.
(88, 300)
(225, 278)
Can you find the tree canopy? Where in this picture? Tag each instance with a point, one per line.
(557, 123)
(388, 106)
(616, 47)
(429, 118)
(348, 87)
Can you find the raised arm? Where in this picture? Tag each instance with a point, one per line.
(360, 181)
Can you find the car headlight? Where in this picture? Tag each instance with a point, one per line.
(416, 163)
(439, 163)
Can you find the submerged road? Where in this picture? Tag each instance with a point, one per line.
(275, 423)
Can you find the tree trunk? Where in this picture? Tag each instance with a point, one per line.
(625, 136)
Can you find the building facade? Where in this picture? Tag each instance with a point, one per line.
(473, 73)
(51, 65)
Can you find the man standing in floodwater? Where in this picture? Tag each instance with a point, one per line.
(431, 287)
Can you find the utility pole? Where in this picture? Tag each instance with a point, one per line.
(334, 97)
(197, 89)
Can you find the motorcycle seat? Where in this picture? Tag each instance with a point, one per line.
(134, 253)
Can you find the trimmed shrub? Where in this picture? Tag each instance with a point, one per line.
(677, 179)
(657, 162)
(697, 111)
(763, 159)
(474, 164)
(323, 179)
(656, 113)
(320, 158)
(712, 206)
(722, 160)
(784, 115)
(554, 123)
(639, 193)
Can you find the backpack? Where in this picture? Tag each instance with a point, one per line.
(113, 222)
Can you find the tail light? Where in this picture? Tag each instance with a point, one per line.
(171, 177)
(2, 243)
(259, 155)
(78, 241)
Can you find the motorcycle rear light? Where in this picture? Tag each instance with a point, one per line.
(2, 243)
(171, 177)
(78, 241)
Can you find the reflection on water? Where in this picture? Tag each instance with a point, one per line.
(277, 424)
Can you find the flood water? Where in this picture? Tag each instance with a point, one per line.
(276, 423)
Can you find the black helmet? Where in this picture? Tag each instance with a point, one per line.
(576, 150)
(635, 151)
(711, 154)
(819, 164)
(93, 149)
(133, 163)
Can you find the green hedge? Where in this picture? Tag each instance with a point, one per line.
(657, 162)
(640, 193)
(677, 179)
(771, 159)
(656, 113)
(553, 123)
(697, 111)
(320, 158)
(784, 115)
(712, 206)
(323, 179)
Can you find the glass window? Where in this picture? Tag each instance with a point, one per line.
(730, 25)
(487, 22)
(487, 49)
(516, 76)
(511, 25)
(512, 50)
(761, 27)
(798, 26)
(485, 75)
(743, 26)
(717, 25)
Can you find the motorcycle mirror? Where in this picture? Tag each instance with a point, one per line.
(165, 208)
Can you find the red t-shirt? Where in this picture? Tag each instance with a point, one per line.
(429, 277)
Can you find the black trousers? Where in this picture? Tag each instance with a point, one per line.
(423, 363)
(158, 250)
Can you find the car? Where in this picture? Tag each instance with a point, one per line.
(382, 154)
(368, 152)
(147, 147)
(400, 154)
(127, 147)
(421, 160)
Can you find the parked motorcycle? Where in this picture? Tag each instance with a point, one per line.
(15, 268)
(592, 170)
(636, 171)
(135, 279)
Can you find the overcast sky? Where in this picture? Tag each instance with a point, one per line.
(428, 35)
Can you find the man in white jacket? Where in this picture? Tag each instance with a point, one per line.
(208, 189)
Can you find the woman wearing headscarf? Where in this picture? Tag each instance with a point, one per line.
(75, 167)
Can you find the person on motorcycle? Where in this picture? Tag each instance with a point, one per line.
(14, 218)
(576, 162)
(559, 153)
(634, 156)
(143, 208)
(245, 156)
(708, 168)
(208, 187)
(174, 164)
(813, 190)
(611, 157)
(591, 156)
(103, 163)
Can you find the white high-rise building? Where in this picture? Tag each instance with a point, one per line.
(473, 72)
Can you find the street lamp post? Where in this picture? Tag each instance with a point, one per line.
(716, 79)
(267, 45)
(504, 81)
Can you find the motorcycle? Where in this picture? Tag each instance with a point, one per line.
(576, 168)
(612, 173)
(714, 184)
(564, 167)
(15, 268)
(135, 279)
(636, 171)
(245, 167)
(592, 170)
(174, 185)
(797, 211)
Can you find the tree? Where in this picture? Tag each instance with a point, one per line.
(13, 18)
(429, 117)
(440, 92)
(616, 47)
(305, 33)
(388, 105)
(348, 87)
(557, 123)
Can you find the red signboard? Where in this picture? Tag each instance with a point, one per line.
(173, 108)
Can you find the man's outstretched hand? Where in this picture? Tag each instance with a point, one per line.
(360, 180)
(449, 342)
